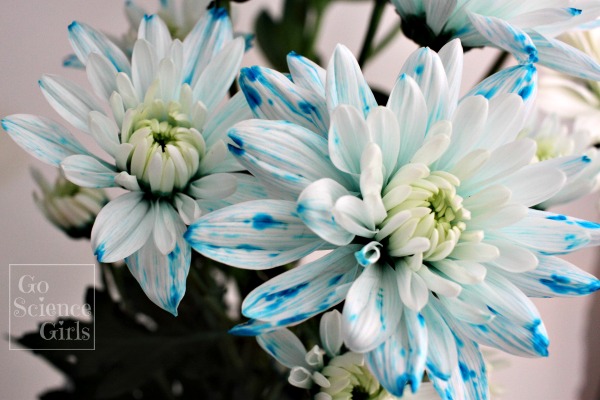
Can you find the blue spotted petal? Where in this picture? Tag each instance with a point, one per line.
(212, 32)
(284, 156)
(256, 234)
(42, 138)
(305, 290)
(554, 277)
(520, 79)
(372, 309)
(564, 58)
(441, 350)
(591, 228)
(86, 171)
(400, 360)
(284, 346)
(122, 227)
(86, 40)
(69, 100)
(507, 37)
(307, 74)
(271, 95)
(346, 83)
(163, 276)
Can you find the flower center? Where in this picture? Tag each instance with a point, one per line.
(165, 150)
(424, 213)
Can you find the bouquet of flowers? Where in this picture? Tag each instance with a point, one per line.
(373, 240)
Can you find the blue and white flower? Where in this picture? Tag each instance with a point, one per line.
(527, 29)
(556, 139)
(328, 370)
(424, 204)
(164, 136)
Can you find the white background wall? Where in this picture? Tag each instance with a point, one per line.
(33, 42)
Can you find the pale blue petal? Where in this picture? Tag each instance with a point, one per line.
(122, 227)
(69, 100)
(87, 171)
(85, 40)
(305, 290)
(554, 277)
(507, 37)
(217, 77)
(564, 58)
(256, 327)
(346, 83)
(315, 208)
(284, 156)
(307, 74)
(427, 70)
(163, 277)
(102, 75)
(520, 79)
(256, 234)
(284, 346)
(271, 95)
(441, 350)
(372, 309)
(212, 32)
(42, 138)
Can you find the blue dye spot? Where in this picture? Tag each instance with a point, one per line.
(419, 69)
(532, 52)
(401, 382)
(526, 92)
(574, 11)
(100, 250)
(335, 280)
(236, 139)
(421, 319)
(236, 150)
(540, 341)
(73, 25)
(588, 224)
(148, 17)
(294, 319)
(493, 311)
(586, 159)
(218, 13)
(307, 108)
(4, 124)
(263, 221)
(250, 73)
(252, 96)
(562, 285)
(482, 328)
(465, 372)
(248, 247)
(294, 54)
(360, 257)
(270, 102)
(432, 369)
(557, 217)
(174, 254)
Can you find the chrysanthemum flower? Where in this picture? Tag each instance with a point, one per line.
(328, 370)
(527, 29)
(164, 138)
(424, 203)
(556, 139)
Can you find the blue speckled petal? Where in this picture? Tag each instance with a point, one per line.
(306, 73)
(256, 234)
(42, 138)
(520, 79)
(271, 95)
(554, 277)
(219, 74)
(212, 32)
(591, 228)
(372, 309)
(507, 37)
(69, 100)
(85, 40)
(122, 227)
(441, 349)
(305, 290)
(564, 58)
(400, 360)
(163, 277)
(346, 83)
(87, 171)
(284, 156)
(427, 70)
(284, 346)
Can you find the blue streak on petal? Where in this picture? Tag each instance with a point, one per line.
(540, 340)
(562, 285)
(573, 11)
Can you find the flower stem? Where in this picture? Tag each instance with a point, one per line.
(365, 52)
(497, 65)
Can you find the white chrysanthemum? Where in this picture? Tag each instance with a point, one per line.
(424, 204)
(556, 139)
(69, 207)
(527, 29)
(165, 134)
(571, 97)
(330, 372)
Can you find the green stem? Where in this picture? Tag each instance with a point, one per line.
(365, 52)
(495, 67)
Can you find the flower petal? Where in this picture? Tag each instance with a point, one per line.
(102, 75)
(520, 79)
(330, 331)
(283, 346)
(348, 137)
(306, 73)
(257, 234)
(564, 58)
(86, 171)
(442, 355)
(154, 31)
(86, 40)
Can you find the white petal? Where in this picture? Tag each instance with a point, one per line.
(144, 66)
(412, 288)
(330, 331)
(86, 40)
(87, 171)
(283, 346)
(153, 30)
(452, 59)
(215, 186)
(306, 73)
(105, 132)
(101, 75)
